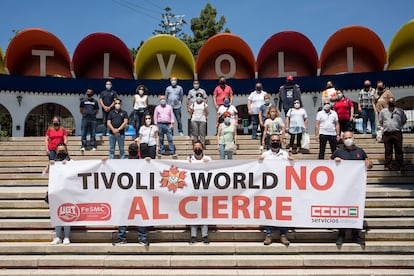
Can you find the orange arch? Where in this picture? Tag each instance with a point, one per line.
(21, 61)
(225, 43)
(299, 55)
(88, 57)
(401, 49)
(368, 51)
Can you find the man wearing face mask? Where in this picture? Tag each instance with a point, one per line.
(327, 129)
(366, 107)
(164, 119)
(254, 102)
(221, 91)
(106, 100)
(392, 120)
(275, 153)
(191, 97)
(117, 122)
(350, 152)
(381, 97)
(287, 93)
(89, 108)
(174, 95)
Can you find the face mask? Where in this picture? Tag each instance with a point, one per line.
(133, 153)
(275, 145)
(61, 155)
(141, 92)
(348, 142)
(391, 104)
(173, 83)
(163, 102)
(117, 106)
(340, 96)
(56, 124)
(296, 105)
(267, 101)
(258, 88)
(227, 120)
(148, 121)
(380, 88)
(367, 86)
(108, 87)
(89, 95)
(327, 107)
(196, 86)
(329, 86)
(223, 82)
(226, 102)
(199, 99)
(198, 151)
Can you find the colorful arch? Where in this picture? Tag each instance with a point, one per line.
(89, 62)
(222, 44)
(2, 65)
(21, 61)
(158, 52)
(300, 55)
(368, 51)
(401, 50)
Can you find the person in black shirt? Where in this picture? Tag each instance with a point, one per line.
(350, 152)
(89, 108)
(117, 122)
(107, 101)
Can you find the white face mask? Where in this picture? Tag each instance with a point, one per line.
(108, 87)
(348, 142)
(117, 106)
(174, 83)
(148, 121)
(296, 105)
(327, 107)
(196, 86)
(141, 92)
(227, 120)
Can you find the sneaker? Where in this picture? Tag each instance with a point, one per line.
(181, 134)
(66, 241)
(284, 240)
(144, 242)
(205, 240)
(174, 155)
(93, 149)
(267, 240)
(119, 241)
(56, 241)
(339, 241)
(193, 240)
(82, 149)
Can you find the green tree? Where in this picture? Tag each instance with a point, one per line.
(204, 27)
(170, 24)
(134, 51)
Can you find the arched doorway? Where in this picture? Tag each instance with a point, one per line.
(407, 104)
(6, 122)
(37, 121)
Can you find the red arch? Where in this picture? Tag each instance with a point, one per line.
(88, 57)
(19, 58)
(369, 51)
(221, 44)
(300, 55)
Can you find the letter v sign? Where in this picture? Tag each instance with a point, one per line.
(166, 71)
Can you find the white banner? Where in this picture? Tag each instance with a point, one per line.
(307, 193)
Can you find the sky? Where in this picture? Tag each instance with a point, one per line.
(254, 21)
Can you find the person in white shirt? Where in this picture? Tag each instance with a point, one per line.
(227, 107)
(327, 129)
(148, 140)
(198, 157)
(140, 106)
(254, 102)
(198, 113)
(296, 125)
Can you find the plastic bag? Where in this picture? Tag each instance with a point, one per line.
(305, 142)
(230, 147)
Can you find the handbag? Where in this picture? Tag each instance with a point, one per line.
(305, 142)
(230, 147)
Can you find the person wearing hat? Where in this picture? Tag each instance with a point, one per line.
(89, 108)
(198, 113)
(287, 93)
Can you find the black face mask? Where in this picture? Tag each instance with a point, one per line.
(198, 151)
(61, 156)
(133, 153)
(56, 124)
(392, 104)
(275, 145)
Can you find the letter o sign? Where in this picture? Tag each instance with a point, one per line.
(232, 65)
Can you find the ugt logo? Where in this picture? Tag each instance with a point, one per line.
(173, 179)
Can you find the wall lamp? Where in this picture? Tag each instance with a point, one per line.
(315, 99)
(19, 99)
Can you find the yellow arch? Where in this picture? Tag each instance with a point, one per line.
(148, 67)
(401, 50)
(2, 70)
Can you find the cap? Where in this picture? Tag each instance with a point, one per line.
(289, 78)
(226, 113)
(199, 94)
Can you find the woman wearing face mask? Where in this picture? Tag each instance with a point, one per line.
(226, 134)
(263, 111)
(345, 110)
(140, 105)
(148, 138)
(55, 135)
(198, 157)
(296, 125)
(227, 107)
(273, 125)
(198, 113)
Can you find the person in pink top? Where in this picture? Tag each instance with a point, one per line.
(222, 90)
(164, 119)
(55, 135)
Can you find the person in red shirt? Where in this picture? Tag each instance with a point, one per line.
(55, 135)
(345, 110)
(222, 90)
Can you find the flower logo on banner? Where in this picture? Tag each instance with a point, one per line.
(173, 179)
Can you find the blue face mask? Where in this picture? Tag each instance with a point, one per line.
(226, 102)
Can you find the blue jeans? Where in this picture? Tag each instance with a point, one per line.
(112, 141)
(223, 153)
(255, 123)
(52, 154)
(368, 114)
(88, 126)
(142, 233)
(66, 231)
(269, 230)
(165, 129)
(177, 114)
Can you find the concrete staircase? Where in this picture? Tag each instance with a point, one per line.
(25, 230)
